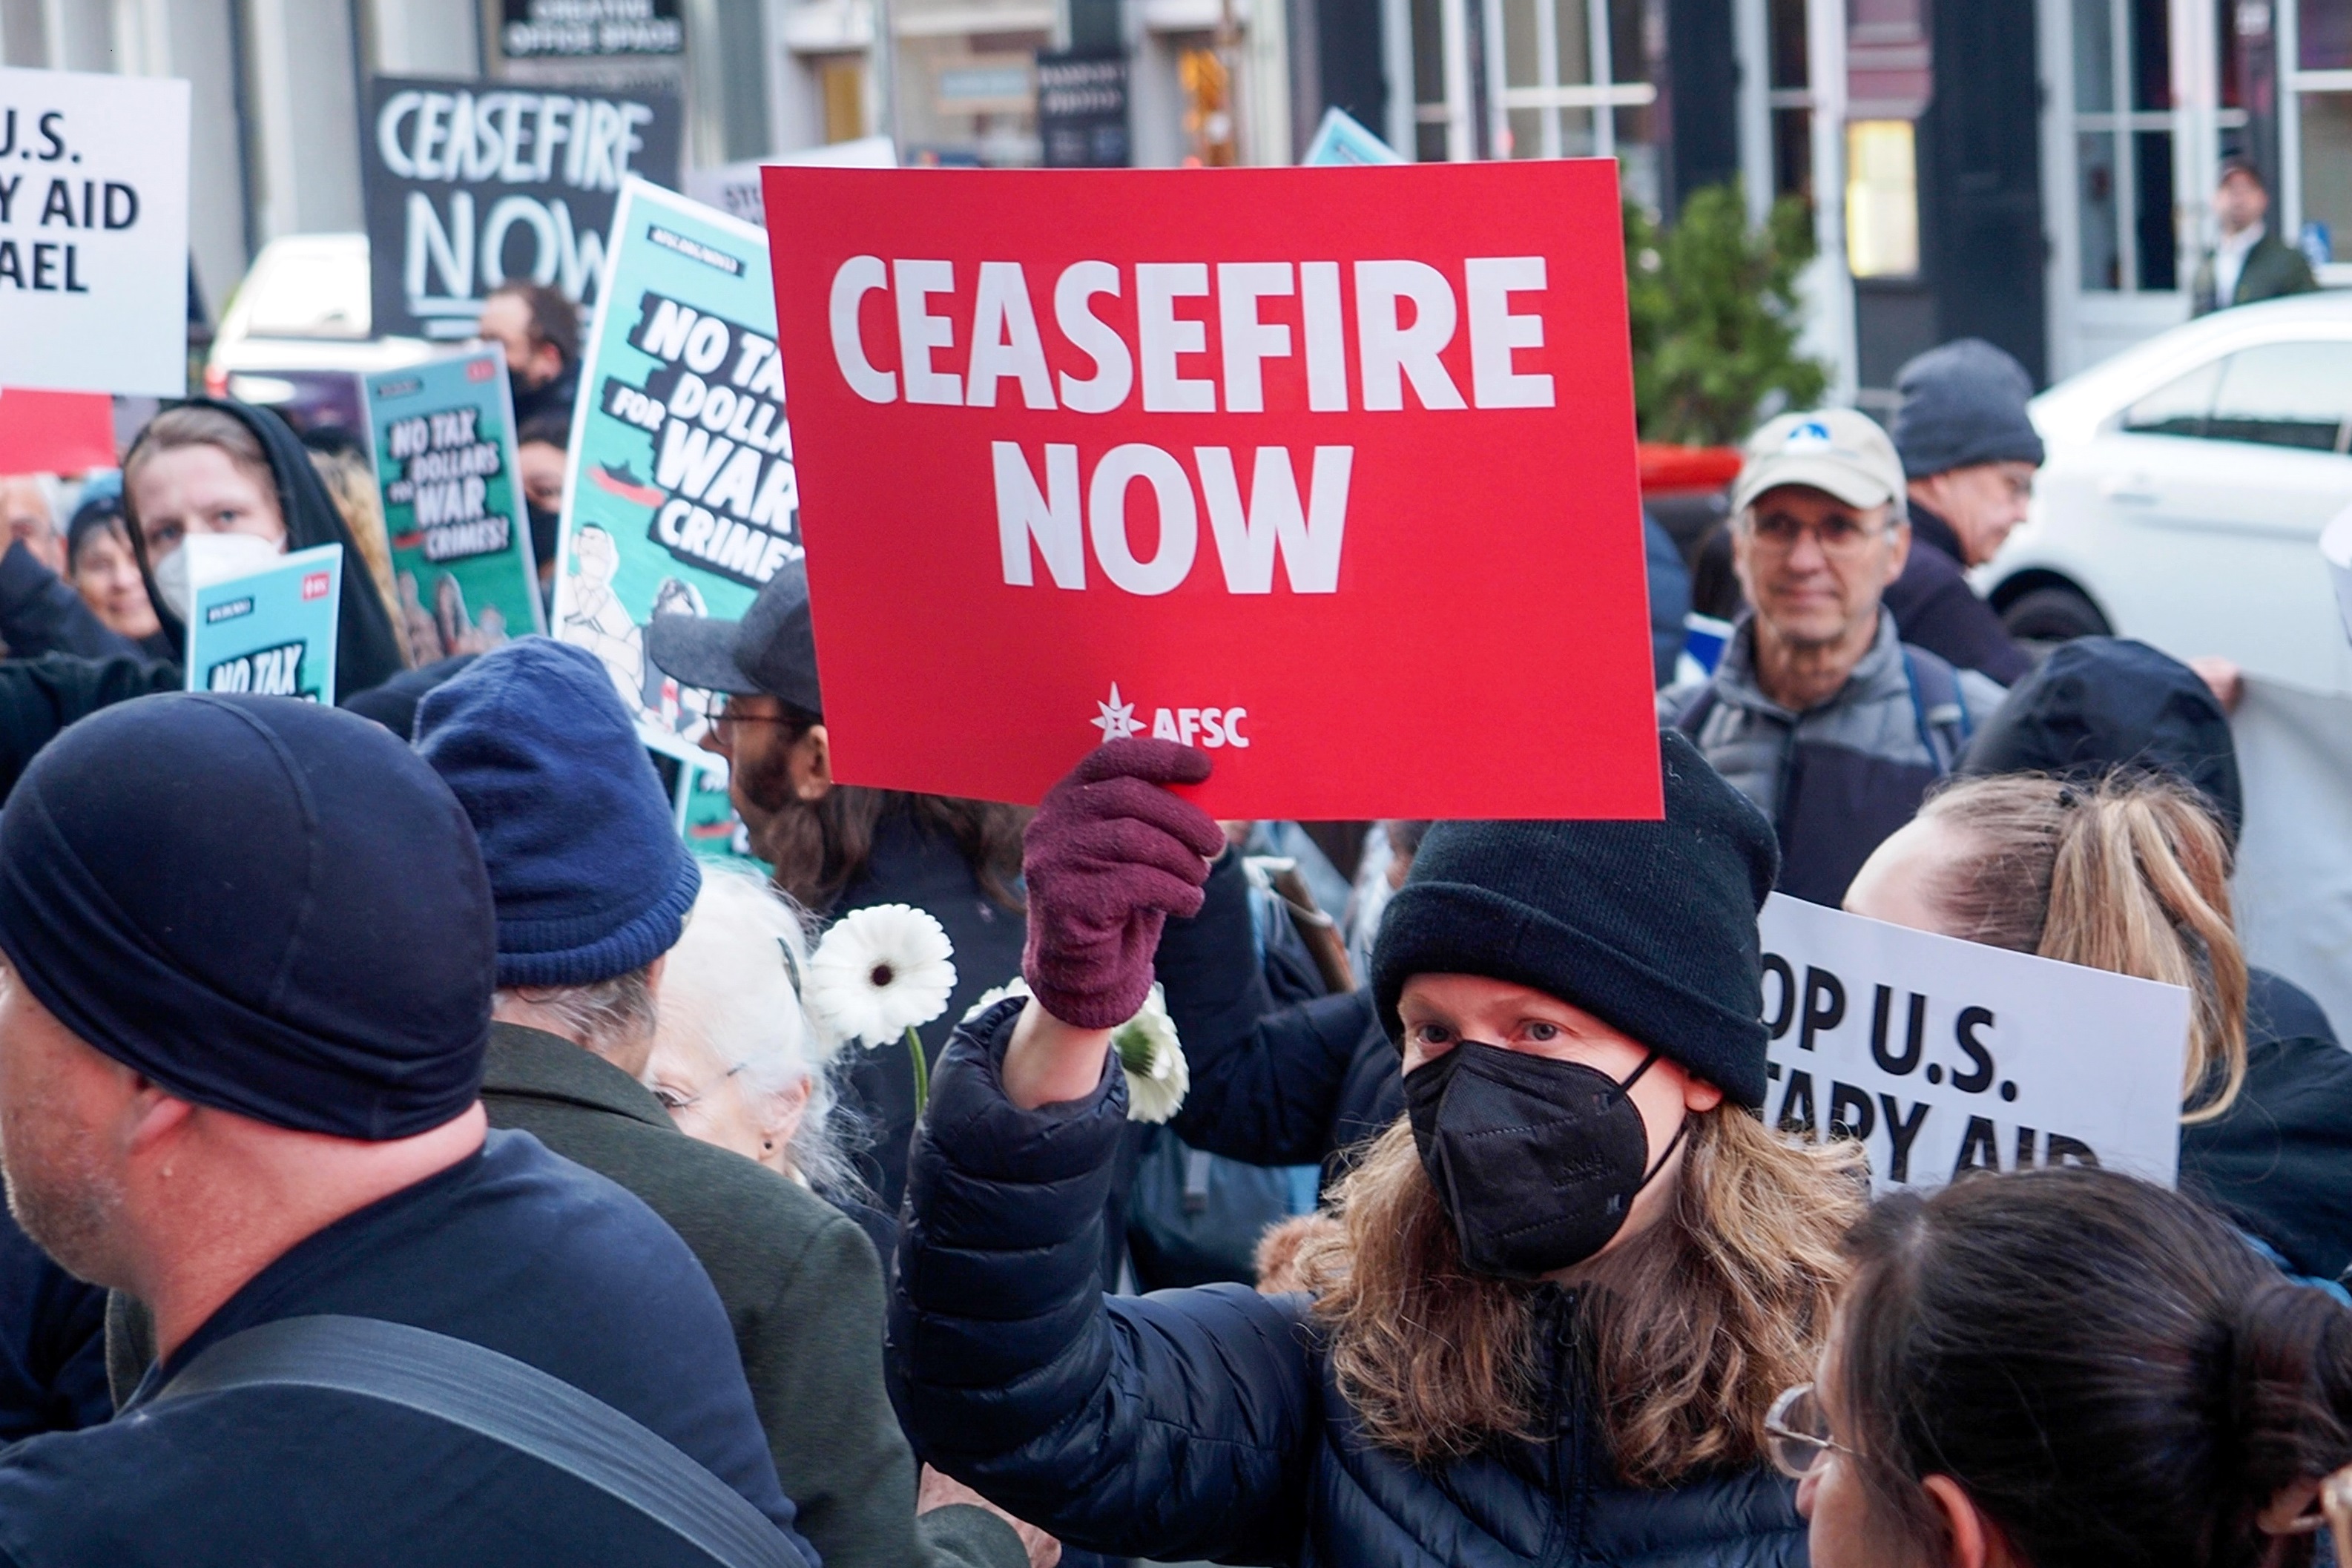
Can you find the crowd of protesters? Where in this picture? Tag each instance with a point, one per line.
(422, 1157)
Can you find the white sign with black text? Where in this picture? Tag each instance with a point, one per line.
(93, 232)
(1943, 1057)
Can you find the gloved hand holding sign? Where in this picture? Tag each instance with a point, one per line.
(1109, 857)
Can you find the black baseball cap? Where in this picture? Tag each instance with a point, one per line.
(771, 650)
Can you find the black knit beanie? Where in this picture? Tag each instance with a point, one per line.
(266, 906)
(1648, 926)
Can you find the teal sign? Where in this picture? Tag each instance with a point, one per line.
(271, 633)
(1343, 139)
(681, 496)
(445, 464)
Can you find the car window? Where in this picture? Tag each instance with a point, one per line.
(2285, 394)
(2179, 408)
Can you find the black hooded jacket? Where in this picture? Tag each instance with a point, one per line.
(367, 654)
(2275, 1162)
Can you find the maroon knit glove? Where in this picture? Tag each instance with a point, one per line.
(1109, 857)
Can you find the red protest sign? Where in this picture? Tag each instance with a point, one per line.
(55, 431)
(1329, 471)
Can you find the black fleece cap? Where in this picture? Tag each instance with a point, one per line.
(266, 906)
(1648, 926)
(1964, 404)
(2099, 704)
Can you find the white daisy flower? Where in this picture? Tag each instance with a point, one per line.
(1016, 986)
(1150, 1055)
(881, 971)
(1153, 1060)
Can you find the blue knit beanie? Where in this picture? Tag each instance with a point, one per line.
(591, 878)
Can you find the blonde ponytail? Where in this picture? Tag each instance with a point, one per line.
(2129, 874)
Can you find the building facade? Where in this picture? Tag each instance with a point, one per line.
(2034, 171)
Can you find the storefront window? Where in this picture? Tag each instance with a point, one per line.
(1429, 111)
(1789, 100)
(2122, 125)
(1576, 83)
(966, 80)
(2324, 34)
(1881, 199)
(2324, 120)
(2102, 238)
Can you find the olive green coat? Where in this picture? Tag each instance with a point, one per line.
(800, 1283)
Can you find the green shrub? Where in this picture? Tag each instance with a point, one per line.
(1714, 317)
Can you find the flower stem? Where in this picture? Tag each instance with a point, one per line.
(922, 1071)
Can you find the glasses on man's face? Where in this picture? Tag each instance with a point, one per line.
(726, 724)
(1797, 1433)
(1841, 535)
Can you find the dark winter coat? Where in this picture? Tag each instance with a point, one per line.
(40, 612)
(1935, 609)
(1205, 1423)
(1270, 1084)
(2275, 1162)
(511, 1249)
(40, 697)
(803, 1293)
(52, 1344)
(910, 864)
(2273, 269)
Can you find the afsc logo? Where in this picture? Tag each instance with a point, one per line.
(1208, 728)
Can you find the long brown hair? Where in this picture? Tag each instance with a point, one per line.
(1695, 1325)
(819, 849)
(2129, 874)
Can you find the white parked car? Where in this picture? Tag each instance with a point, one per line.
(2187, 481)
(295, 337)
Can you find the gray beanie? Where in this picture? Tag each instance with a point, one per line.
(1964, 404)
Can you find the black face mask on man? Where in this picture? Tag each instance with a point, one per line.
(1536, 1161)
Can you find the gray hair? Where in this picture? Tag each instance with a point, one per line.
(607, 1018)
(731, 988)
(51, 492)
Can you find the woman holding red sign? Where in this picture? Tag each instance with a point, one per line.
(1564, 1288)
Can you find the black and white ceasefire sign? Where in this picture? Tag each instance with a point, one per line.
(472, 184)
(93, 232)
(1944, 1057)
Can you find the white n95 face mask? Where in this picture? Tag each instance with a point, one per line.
(203, 558)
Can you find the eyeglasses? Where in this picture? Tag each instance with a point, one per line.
(1841, 536)
(1797, 1433)
(725, 721)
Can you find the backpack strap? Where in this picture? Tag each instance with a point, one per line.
(508, 1402)
(1937, 707)
(1695, 711)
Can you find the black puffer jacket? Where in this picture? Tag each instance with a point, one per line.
(1205, 1423)
(1273, 1084)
